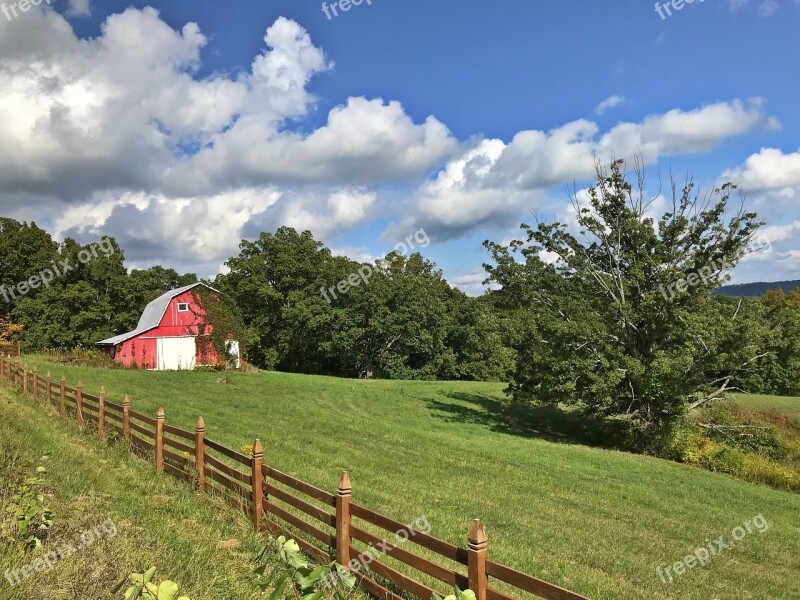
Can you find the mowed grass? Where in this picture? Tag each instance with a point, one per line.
(595, 521)
(769, 404)
(158, 522)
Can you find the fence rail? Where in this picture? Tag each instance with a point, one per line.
(325, 525)
(9, 348)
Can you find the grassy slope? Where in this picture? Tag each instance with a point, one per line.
(770, 404)
(159, 521)
(595, 521)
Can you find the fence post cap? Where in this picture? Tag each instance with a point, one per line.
(80, 385)
(34, 369)
(201, 424)
(126, 401)
(345, 487)
(63, 379)
(49, 376)
(102, 390)
(258, 449)
(477, 536)
(160, 413)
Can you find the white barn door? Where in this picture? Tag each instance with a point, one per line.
(176, 353)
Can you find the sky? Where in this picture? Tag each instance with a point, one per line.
(181, 127)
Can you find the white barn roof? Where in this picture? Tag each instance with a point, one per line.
(152, 315)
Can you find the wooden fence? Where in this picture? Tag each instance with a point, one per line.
(328, 524)
(9, 348)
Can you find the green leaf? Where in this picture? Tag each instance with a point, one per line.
(132, 593)
(278, 593)
(317, 573)
(118, 587)
(168, 590)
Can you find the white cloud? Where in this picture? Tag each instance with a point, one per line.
(363, 142)
(608, 103)
(325, 213)
(491, 184)
(769, 170)
(120, 110)
(471, 283)
(79, 8)
(763, 8)
(117, 134)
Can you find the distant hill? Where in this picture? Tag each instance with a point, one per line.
(756, 289)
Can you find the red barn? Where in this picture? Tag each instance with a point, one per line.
(166, 338)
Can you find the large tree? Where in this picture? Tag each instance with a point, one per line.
(618, 314)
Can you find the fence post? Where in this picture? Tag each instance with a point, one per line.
(477, 555)
(19, 352)
(101, 413)
(343, 497)
(25, 380)
(79, 405)
(35, 382)
(62, 397)
(160, 440)
(126, 417)
(256, 462)
(200, 452)
(49, 385)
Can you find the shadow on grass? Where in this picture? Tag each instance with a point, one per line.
(548, 422)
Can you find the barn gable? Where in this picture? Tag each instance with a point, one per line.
(153, 314)
(166, 336)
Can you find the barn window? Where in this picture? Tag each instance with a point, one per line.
(183, 307)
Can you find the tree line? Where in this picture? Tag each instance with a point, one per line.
(578, 313)
(406, 322)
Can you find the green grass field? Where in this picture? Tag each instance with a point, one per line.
(157, 522)
(770, 404)
(595, 521)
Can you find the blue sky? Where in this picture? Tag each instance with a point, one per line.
(459, 117)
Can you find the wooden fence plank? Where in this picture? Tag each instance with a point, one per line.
(419, 563)
(300, 486)
(529, 583)
(446, 549)
(178, 445)
(238, 457)
(325, 538)
(309, 509)
(415, 588)
(236, 488)
(178, 432)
